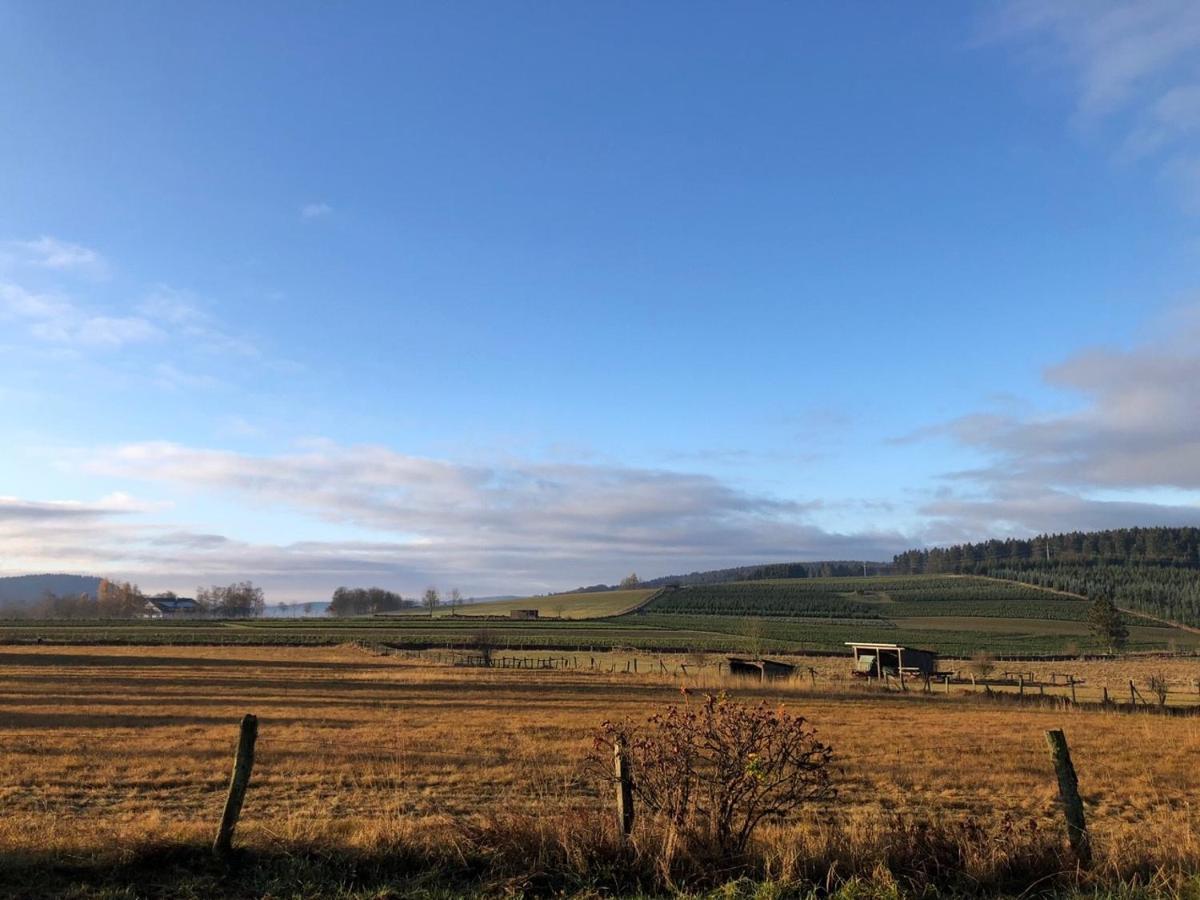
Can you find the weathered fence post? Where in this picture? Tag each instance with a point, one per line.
(243, 763)
(624, 788)
(1068, 793)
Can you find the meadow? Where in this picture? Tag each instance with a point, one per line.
(386, 775)
(953, 615)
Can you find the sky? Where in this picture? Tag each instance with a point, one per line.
(513, 297)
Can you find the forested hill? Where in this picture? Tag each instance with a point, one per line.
(1151, 570)
(1119, 546)
(24, 590)
(826, 569)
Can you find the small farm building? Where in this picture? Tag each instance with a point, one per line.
(877, 660)
(761, 669)
(170, 607)
(523, 614)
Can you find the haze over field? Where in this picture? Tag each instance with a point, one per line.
(519, 299)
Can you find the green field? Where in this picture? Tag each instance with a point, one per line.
(584, 605)
(953, 615)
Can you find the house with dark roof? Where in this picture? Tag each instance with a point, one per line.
(170, 608)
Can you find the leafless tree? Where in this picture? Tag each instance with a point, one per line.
(430, 600)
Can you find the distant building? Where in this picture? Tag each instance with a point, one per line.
(170, 608)
(523, 614)
(878, 660)
(762, 669)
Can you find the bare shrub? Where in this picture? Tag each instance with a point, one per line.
(982, 663)
(713, 771)
(1157, 684)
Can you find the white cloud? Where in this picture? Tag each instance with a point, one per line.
(311, 211)
(511, 527)
(1136, 433)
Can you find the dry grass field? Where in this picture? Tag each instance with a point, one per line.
(111, 752)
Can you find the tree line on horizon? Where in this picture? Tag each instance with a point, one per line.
(125, 600)
(370, 601)
(760, 572)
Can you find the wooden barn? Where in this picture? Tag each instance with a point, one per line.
(523, 614)
(878, 660)
(762, 669)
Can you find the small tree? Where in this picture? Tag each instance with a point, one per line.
(719, 769)
(756, 637)
(630, 581)
(430, 600)
(1107, 626)
(456, 600)
(485, 642)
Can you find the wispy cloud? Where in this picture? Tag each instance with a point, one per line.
(181, 314)
(54, 318)
(1134, 67)
(48, 252)
(48, 307)
(19, 511)
(311, 211)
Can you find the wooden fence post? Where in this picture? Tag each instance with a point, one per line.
(243, 763)
(1068, 793)
(624, 788)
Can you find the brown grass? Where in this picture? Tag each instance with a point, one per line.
(116, 749)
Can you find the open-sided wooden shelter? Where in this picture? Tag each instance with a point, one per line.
(877, 660)
(761, 669)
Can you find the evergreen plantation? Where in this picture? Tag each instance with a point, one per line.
(1155, 571)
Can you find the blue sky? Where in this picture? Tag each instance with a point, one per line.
(513, 297)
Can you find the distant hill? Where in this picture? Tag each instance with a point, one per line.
(26, 590)
(842, 568)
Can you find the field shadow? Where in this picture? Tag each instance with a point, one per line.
(97, 660)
